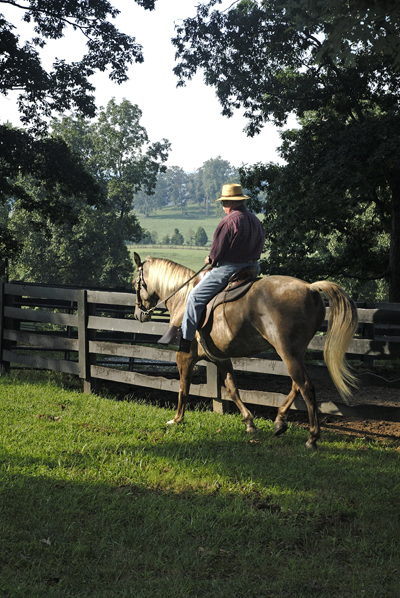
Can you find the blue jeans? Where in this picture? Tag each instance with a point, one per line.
(212, 283)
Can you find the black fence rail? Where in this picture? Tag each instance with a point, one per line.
(92, 334)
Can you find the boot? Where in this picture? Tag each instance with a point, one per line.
(172, 337)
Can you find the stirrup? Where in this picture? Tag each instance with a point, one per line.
(172, 337)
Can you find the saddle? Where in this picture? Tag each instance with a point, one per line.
(238, 285)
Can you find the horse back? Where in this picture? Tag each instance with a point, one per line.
(277, 311)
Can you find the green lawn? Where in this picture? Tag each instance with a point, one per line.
(166, 220)
(99, 498)
(190, 257)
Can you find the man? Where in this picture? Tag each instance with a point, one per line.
(238, 243)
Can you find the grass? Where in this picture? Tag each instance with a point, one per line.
(170, 217)
(100, 498)
(166, 220)
(190, 257)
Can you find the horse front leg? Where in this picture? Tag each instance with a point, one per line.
(227, 374)
(185, 363)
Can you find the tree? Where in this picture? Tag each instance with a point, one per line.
(146, 203)
(347, 26)
(58, 172)
(177, 191)
(86, 253)
(215, 173)
(200, 237)
(119, 155)
(258, 57)
(177, 238)
(66, 85)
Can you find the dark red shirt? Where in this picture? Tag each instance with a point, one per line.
(239, 237)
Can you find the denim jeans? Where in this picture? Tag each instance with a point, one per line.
(212, 283)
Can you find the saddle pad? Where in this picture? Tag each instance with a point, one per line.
(228, 294)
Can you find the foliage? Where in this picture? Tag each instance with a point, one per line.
(349, 26)
(148, 204)
(118, 154)
(87, 253)
(58, 172)
(100, 498)
(259, 57)
(205, 184)
(177, 238)
(200, 237)
(335, 178)
(66, 85)
(177, 180)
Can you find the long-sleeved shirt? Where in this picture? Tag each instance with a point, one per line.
(239, 237)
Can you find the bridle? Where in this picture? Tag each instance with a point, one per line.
(145, 314)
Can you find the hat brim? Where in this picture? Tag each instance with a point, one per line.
(233, 198)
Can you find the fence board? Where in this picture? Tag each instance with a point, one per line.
(126, 325)
(131, 351)
(26, 290)
(137, 379)
(56, 343)
(43, 363)
(46, 317)
(112, 298)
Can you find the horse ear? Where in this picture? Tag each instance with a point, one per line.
(138, 261)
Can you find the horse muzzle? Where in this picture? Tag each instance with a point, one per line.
(141, 315)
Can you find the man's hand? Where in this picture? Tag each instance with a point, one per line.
(207, 260)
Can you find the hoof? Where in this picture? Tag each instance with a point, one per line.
(251, 430)
(311, 445)
(280, 428)
(171, 422)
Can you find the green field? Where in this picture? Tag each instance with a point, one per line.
(99, 499)
(186, 256)
(166, 221)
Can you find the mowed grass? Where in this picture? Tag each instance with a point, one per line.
(99, 498)
(166, 220)
(190, 257)
(169, 218)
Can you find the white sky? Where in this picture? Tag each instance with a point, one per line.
(190, 117)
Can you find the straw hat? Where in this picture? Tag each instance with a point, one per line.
(232, 193)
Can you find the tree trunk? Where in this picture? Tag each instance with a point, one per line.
(394, 256)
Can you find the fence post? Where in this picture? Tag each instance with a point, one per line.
(3, 366)
(83, 341)
(214, 389)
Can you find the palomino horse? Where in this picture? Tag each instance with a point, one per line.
(278, 311)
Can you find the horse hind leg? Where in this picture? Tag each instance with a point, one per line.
(281, 424)
(227, 374)
(300, 382)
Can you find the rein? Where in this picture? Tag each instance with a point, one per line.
(147, 313)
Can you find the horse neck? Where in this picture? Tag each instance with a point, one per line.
(165, 278)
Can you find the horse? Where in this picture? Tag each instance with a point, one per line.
(278, 311)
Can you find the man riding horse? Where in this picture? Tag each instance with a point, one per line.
(238, 243)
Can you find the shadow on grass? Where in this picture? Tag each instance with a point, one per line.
(271, 520)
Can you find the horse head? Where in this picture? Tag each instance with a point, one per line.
(145, 300)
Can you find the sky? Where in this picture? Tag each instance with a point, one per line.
(189, 117)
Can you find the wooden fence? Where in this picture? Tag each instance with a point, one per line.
(92, 334)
